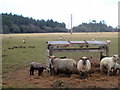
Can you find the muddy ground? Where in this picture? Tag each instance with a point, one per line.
(22, 79)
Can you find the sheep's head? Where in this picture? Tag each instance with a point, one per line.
(52, 58)
(84, 59)
(41, 68)
(116, 58)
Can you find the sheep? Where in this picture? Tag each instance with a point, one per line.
(117, 68)
(93, 39)
(36, 66)
(10, 48)
(24, 41)
(62, 64)
(83, 66)
(31, 46)
(60, 38)
(108, 41)
(108, 63)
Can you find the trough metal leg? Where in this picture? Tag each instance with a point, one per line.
(101, 56)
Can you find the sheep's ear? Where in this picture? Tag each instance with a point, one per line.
(91, 57)
(87, 58)
(81, 58)
(114, 56)
(49, 56)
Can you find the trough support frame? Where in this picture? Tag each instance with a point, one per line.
(51, 48)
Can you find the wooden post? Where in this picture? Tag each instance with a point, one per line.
(50, 47)
(107, 51)
(101, 55)
(51, 53)
(71, 25)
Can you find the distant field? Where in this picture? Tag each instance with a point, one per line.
(17, 58)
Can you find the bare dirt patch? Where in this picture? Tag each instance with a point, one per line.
(22, 79)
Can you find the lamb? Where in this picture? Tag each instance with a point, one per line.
(108, 63)
(36, 66)
(83, 66)
(62, 64)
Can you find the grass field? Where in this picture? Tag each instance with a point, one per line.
(18, 58)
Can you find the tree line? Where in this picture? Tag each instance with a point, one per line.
(94, 27)
(19, 24)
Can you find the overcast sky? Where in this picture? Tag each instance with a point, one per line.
(60, 10)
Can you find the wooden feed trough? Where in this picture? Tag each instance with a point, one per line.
(76, 46)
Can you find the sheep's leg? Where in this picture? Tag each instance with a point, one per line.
(101, 69)
(39, 72)
(112, 71)
(81, 75)
(69, 73)
(86, 74)
(109, 71)
(32, 71)
(51, 71)
(117, 71)
(55, 71)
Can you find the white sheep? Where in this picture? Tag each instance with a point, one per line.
(117, 68)
(108, 41)
(60, 38)
(83, 66)
(62, 64)
(24, 41)
(108, 63)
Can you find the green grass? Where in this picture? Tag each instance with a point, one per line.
(19, 57)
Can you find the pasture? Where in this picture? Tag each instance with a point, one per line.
(17, 55)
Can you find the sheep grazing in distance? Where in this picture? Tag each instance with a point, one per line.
(24, 41)
(66, 65)
(36, 66)
(94, 39)
(108, 63)
(83, 66)
(108, 41)
(10, 48)
(60, 38)
(31, 46)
